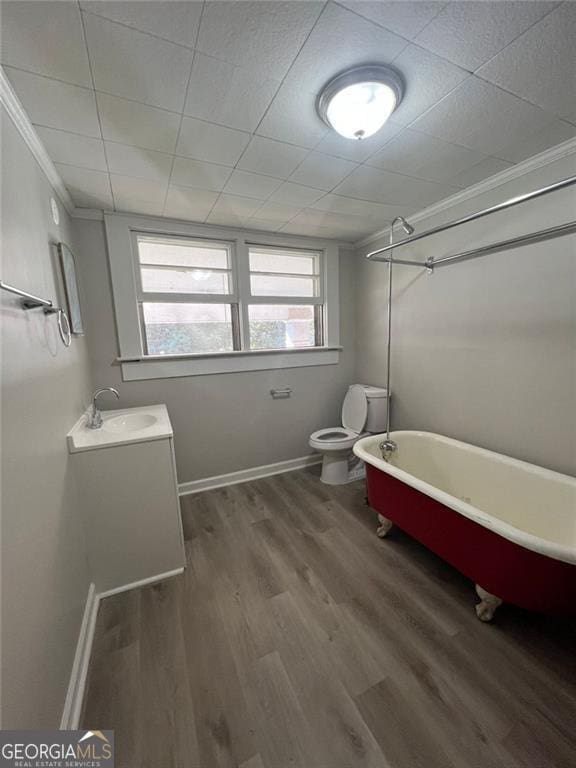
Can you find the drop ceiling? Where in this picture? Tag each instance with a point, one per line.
(206, 111)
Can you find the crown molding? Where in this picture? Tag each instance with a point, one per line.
(549, 156)
(14, 108)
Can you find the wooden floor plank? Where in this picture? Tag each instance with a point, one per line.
(298, 639)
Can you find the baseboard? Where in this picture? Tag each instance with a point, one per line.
(75, 694)
(141, 583)
(245, 475)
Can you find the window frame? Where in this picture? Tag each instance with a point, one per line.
(122, 231)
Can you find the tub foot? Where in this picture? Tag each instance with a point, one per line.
(488, 604)
(384, 528)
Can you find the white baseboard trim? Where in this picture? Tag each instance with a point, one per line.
(75, 694)
(245, 475)
(141, 583)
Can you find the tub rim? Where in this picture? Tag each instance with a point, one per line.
(562, 552)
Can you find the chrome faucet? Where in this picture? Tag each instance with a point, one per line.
(94, 420)
(387, 448)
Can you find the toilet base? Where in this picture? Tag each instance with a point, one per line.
(341, 468)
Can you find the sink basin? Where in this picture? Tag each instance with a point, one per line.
(130, 422)
(121, 427)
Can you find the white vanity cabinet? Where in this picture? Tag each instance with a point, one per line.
(127, 478)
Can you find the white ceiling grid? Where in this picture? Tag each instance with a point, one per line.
(206, 110)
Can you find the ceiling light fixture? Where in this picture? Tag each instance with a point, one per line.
(358, 102)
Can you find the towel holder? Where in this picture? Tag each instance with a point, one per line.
(30, 301)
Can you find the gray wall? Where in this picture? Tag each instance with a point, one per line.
(227, 422)
(44, 388)
(484, 350)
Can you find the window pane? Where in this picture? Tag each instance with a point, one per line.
(280, 285)
(184, 280)
(281, 326)
(291, 262)
(180, 253)
(173, 329)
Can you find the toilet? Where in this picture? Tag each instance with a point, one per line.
(364, 412)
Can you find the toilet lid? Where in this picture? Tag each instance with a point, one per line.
(355, 409)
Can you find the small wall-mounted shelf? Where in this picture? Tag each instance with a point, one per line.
(30, 301)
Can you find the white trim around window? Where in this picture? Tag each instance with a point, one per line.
(136, 365)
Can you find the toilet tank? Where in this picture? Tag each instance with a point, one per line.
(377, 398)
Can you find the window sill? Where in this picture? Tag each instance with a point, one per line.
(202, 364)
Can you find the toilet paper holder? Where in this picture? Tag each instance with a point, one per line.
(281, 393)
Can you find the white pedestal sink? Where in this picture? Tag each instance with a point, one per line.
(127, 476)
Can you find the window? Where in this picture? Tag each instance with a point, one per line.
(185, 296)
(196, 299)
(188, 303)
(286, 284)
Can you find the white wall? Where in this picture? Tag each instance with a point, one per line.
(483, 350)
(226, 422)
(44, 389)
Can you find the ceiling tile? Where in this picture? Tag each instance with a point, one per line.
(89, 189)
(261, 36)
(260, 224)
(139, 163)
(428, 79)
(322, 171)
(540, 66)
(296, 194)
(278, 212)
(54, 104)
(141, 207)
(490, 166)
(138, 124)
(334, 223)
(235, 207)
(206, 141)
(253, 185)
(72, 149)
(273, 158)
(553, 134)
(341, 39)
(137, 66)
(222, 93)
(470, 33)
(334, 144)
(195, 173)
(292, 117)
(129, 191)
(187, 203)
(480, 116)
(300, 226)
(46, 38)
(175, 21)
(367, 210)
(367, 183)
(404, 17)
(416, 154)
(224, 218)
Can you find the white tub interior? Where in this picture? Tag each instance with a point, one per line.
(495, 490)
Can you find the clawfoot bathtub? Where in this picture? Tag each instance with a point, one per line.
(507, 525)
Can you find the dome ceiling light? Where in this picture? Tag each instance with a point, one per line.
(358, 102)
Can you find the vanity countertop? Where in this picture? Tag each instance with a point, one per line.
(121, 427)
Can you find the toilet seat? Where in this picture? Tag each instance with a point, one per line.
(334, 434)
(334, 439)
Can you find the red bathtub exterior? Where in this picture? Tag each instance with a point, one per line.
(516, 575)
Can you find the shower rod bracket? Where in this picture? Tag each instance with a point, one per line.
(429, 264)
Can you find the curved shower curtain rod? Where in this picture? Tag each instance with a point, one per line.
(541, 234)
